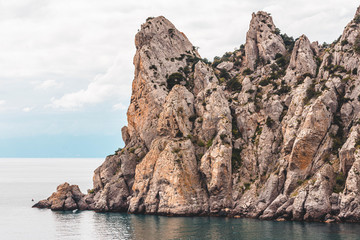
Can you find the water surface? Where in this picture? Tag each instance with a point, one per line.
(22, 180)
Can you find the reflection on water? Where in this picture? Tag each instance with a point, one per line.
(91, 225)
(112, 226)
(67, 225)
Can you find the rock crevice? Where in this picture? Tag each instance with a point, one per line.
(269, 131)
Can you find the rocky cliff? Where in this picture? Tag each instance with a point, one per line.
(269, 131)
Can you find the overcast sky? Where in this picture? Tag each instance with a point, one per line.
(66, 66)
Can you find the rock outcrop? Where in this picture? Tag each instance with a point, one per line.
(269, 131)
(302, 61)
(263, 41)
(66, 197)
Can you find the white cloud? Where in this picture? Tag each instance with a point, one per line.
(77, 49)
(48, 84)
(62, 45)
(27, 109)
(80, 38)
(102, 88)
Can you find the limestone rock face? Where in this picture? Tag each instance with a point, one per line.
(111, 184)
(66, 197)
(174, 119)
(161, 51)
(308, 140)
(317, 203)
(350, 197)
(302, 59)
(225, 65)
(215, 130)
(269, 131)
(262, 40)
(203, 75)
(178, 193)
(347, 152)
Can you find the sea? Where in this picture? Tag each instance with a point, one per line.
(27, 179)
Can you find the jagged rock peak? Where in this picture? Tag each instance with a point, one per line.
(346, 50)
(246, 144)
(302, 58)
(162, 29)
(161, 51)
(357, 11)
(263, 41)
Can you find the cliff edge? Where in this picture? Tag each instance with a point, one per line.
(269, 131)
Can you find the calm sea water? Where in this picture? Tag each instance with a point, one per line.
(22, 180)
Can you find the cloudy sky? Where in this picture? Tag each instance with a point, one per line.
(66, 66)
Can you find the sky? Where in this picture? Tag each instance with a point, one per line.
(67, 66)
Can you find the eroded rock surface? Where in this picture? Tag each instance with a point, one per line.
(263, 41)
(66, 197)
(269, 131)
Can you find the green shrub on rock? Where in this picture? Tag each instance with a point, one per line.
(356, 46)
(174, 79)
